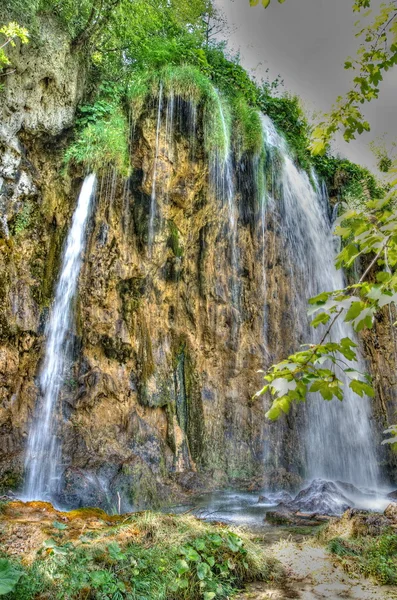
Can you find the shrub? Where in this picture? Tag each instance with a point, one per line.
(103, 141)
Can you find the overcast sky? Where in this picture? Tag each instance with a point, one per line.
(307, 42)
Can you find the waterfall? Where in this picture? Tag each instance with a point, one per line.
(43, 448)
(337, 436)
(153, 199)
(221, 170)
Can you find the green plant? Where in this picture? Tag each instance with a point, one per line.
(247, 126)
(371, 556)
(160, 556)
(23, 219)
(9, 576)
(103, 141)
(8, 34)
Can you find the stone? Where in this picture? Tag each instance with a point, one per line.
(323, 497)
(391, 512)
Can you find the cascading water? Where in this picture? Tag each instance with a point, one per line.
(338, 438)
(43, 448)
(221, 169)
(153, 199)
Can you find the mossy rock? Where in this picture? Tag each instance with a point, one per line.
(115, 349)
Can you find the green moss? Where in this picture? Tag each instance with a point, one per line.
(173, 240)
(115, 349)
(24, 219)
(10, 481)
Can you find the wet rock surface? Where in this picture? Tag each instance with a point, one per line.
(323, 497)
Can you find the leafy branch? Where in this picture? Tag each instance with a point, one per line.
(265, 3)
(8, 36)
(376, 55)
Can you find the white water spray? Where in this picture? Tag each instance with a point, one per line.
(338, 437)
(44, 449)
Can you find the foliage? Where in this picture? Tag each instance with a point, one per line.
(374, 557)
(104, 139)
(161, 556)
(376, 55)
(248, 129)
(346, 180)
(23, 219)
(265, 3)
(8, 34)
(229, 76)
(9, 576)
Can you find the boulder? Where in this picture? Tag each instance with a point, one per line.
(322, 497)
(391, 512)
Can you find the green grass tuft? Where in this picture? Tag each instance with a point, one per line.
(371, 556)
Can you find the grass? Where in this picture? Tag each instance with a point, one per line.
(145, 556)
(221, 112)
(374, 557)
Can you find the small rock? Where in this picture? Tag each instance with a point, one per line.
(264, 500)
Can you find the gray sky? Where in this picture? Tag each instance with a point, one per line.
(307, 42)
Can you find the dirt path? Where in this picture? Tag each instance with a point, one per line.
(312, 574)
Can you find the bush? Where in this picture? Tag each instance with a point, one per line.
(103, 141)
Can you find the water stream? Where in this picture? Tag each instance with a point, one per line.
(44, 446)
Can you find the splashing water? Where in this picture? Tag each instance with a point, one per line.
(43, 449)
(338, 438)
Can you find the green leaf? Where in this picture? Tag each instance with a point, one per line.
(115, 552)
(209, 595)
(182, 567)
(203, 571)
(322, 318)
(321, 298)
(361, 388)
(199, 544)
(9, 576)
(190, 554)
(265, 3)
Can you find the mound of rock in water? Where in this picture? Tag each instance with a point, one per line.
(320, 498)
(323, 497)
